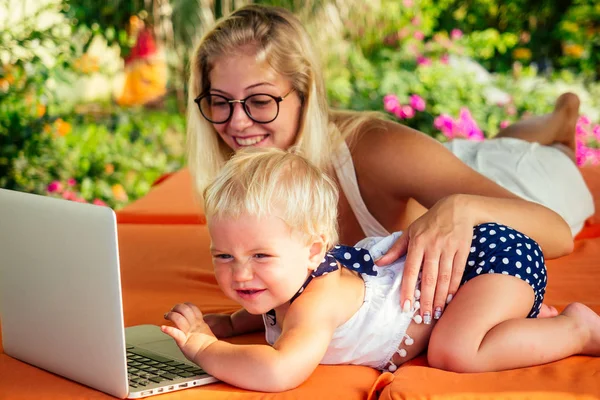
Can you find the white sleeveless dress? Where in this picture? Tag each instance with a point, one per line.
(541, 174)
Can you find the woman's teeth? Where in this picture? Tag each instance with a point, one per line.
(249, 141)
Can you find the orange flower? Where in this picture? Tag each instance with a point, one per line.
(522, 53)
(47, 129)
(119, 192)
(40, 110)
(62, 127)
(573, 50)
(109, 169)
(86, 64)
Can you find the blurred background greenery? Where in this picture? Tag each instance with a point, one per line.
(92, 93)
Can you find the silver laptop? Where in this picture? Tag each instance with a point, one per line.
(60, 301)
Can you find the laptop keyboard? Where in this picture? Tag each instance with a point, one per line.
(146, 368)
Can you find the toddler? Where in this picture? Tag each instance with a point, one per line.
(272, 219)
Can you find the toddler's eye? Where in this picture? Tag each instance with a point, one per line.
(261, 255)
(223, 256)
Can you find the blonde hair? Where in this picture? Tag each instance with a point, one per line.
(280, 39)
(269, 181)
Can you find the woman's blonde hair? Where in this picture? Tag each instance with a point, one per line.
(279, 39)
(270, 181)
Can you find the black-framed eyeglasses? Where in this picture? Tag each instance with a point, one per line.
(260, 107)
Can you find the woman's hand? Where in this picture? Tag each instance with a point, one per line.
(439, 244)
(191, 333)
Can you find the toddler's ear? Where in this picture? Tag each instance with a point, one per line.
(317, 250)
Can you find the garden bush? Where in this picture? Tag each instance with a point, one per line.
(112, 159)
(426, 63)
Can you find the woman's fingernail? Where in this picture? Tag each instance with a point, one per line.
(406, 306)
(427, 318)
(165, 315)
(437, 313)
(448, 299)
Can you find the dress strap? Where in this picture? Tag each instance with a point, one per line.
(353, 258)
(346, 174)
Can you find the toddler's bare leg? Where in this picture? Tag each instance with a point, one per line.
(485, 329)
(557, 127)
(547, 311)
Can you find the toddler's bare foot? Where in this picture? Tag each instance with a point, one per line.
(589, 322)
(547, 311)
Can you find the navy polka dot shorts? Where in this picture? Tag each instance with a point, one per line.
(498, 249)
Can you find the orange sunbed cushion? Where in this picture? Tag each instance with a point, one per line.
(591, 175)
(162, 266)
(172, 201)
(575, 277)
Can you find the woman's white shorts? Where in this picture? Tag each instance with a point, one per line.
(542, 174)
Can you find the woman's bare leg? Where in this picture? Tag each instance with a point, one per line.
(484, 329)
(558, 127)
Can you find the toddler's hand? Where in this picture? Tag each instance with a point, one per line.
(220, 325)
(191, 333)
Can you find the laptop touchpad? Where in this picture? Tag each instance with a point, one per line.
(151, 338)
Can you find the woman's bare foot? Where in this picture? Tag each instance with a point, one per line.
(566, 113)
(547, 311)
(589, 323)
(554, 129)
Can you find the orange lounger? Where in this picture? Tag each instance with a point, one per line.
(165, 260)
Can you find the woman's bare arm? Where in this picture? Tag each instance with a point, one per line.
(400, 163)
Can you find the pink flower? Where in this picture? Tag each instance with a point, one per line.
(404, 32)
(407, 112)
(416, 21)
(456, 34)
(445, 59)
(445, 124)
(469, 126)
(68, 195)
(55, 187)
(464, 127)
(391, 103)
(596, 132)
(417, 102)
(583, 120)
(71, 182)
(419, 35)
(511, 109)
(580, 130)
(99, 202)
(79, 200)
(408, 3)
(504, 124)
(423, 61)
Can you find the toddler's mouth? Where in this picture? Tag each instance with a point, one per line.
(250, 291)
(249, 294)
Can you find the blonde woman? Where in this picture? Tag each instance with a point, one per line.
(256, 81)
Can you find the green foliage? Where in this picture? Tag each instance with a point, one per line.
(579, 34)
(432, 50)
(34, 54)
(107, 18)
(114, 158)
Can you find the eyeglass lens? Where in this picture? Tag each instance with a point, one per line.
(259, 107)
